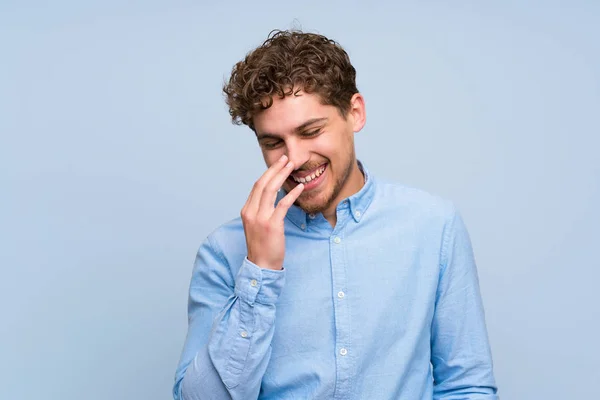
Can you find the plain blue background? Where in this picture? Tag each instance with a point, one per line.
(117, 158)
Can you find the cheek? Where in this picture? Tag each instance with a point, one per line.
(327, 144)
(336, 148)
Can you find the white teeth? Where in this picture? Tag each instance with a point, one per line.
(310, 177)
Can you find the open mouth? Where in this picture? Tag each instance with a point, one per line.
(311, 180)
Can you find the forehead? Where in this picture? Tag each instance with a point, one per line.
(287, 113)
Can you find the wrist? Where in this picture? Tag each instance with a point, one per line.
(265, 264)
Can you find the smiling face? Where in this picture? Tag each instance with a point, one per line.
(320, 143)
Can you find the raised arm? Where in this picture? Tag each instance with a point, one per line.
(231, 319)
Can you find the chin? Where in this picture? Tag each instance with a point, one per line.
(312, 206)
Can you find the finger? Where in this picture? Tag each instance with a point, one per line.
(267, 201)
(284, 204)
(253, 202)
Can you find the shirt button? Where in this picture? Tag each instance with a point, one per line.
(343, 352)
(244, 334)
(303, 226)
(341, 294)
(337, 240)
(357, 214)
(253, 282)
(311, 216)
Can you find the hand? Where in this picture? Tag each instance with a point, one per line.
(263, 222)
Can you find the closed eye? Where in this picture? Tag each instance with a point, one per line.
(311, 133)
(271, 144)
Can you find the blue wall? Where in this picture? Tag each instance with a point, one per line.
(117, 158)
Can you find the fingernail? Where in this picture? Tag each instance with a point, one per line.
(288, 165)
(283, 157)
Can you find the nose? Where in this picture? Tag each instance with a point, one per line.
(297, 152)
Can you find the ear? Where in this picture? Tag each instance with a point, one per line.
(357, 112)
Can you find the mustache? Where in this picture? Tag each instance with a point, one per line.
(310, 167)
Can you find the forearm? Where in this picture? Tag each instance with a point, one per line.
(201, 380)
(461, 355)
(233, 361)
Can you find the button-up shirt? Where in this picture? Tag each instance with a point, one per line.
(385, 305)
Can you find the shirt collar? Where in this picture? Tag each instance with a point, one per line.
(358, 203)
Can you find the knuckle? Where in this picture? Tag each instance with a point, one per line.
(271, 187)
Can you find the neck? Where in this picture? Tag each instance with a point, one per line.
(355, 182)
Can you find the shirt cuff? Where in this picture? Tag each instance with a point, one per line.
(260, 285)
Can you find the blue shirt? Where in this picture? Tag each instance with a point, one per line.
(385, 305)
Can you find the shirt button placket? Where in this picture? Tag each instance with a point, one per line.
(342, 318)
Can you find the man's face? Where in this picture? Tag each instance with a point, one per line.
(318, 140)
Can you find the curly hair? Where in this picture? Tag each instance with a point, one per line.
(287, 62)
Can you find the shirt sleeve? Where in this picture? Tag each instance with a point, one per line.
(230, 328)
(460, 351)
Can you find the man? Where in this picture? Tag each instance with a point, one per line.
(338, 286)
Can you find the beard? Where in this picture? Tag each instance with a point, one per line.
(320, 201)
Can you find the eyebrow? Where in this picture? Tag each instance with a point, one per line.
(297, 129)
